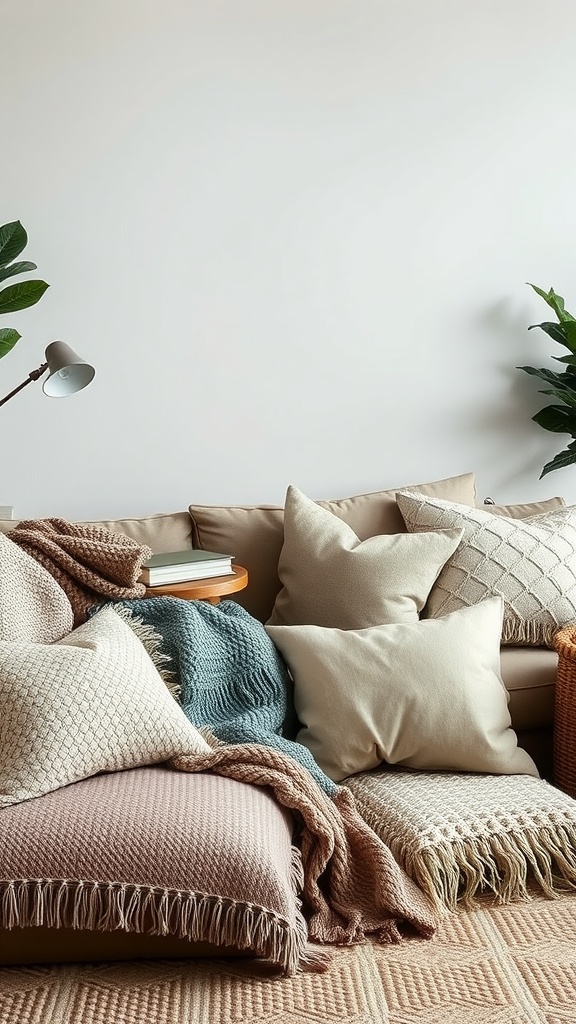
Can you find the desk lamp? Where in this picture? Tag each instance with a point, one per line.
(67, 373)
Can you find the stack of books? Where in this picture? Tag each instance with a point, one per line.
(185, 566)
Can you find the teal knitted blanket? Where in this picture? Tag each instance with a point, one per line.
(232, 678)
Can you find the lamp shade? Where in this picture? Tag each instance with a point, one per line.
(67, 372)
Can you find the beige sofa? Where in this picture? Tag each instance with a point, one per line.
(254, 536)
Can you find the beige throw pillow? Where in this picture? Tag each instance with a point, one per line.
(530, 562)
(425, 695)
(33, 605)
(331, 578)
(89, 703)
(254, 533)
(521, 511)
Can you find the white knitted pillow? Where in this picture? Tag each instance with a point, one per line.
(33, 605)
(91, 702)
(530, 562)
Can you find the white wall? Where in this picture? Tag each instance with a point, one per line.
(294, 236)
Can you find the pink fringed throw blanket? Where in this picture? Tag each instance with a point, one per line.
(89, 562)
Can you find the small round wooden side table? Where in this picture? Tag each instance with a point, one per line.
(211, 589)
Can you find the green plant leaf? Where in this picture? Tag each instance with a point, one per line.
(557, 380)
(13, 239)
(23, 267)
(560, 461)
(564, 333)
(551, 328)
(559, 418)
(562, 395)
(556, 302)
(569, 360)
(8, 338)
(20, 296)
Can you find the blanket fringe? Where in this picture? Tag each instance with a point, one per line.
(107, 906)
(152, 641)
(530, 633)
(456, 872)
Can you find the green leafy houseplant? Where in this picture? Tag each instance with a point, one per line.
(13, 240)
(559, 417)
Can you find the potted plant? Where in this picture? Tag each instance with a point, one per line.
(559, 417)
(13, 240)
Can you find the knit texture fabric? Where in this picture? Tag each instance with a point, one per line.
(88, 561)
(33, 606)
(232, 678)
(352, 887)
(153, 850)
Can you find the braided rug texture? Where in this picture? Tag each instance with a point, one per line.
(513, 964)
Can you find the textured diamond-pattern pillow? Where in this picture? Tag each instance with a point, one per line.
(530, 562)
(331, 578)
(33, 605)
(91, 702)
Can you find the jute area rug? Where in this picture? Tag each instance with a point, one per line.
(494, 965)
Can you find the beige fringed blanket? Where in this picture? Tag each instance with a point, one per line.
(89, 562)
(461, 834)
(352, 887)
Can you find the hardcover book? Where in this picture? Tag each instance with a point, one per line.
(181, 566)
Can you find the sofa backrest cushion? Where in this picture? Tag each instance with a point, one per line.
(254, 534)
(166, 531)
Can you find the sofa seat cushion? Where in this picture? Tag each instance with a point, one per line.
(529, 675)
(254, 534)
(194, 856)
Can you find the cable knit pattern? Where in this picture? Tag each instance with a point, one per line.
(91, 702)
(88, 561)
(33, 605)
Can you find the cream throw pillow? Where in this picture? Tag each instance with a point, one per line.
(530, 562)
(89, 703)
(331, 578)
(425, 695)
(33, 605)
(254, 533)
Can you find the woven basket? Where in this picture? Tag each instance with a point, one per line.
(565, 711)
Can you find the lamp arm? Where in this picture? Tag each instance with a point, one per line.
(34, 375)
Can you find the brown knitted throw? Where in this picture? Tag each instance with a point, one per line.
(89, 562)
(353, 888)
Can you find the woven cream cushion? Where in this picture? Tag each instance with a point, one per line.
(91, 702)
(331, 578)
(530, 562)
(424, 695)
(33, 605)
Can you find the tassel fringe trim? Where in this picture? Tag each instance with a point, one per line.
(106, 906)
(152, 641)
(507, 865)
(529, 633)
